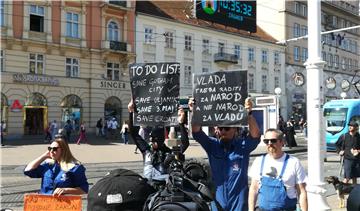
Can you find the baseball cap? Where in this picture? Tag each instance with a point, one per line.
(353, 123)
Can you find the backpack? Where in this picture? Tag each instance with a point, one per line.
(120, 189)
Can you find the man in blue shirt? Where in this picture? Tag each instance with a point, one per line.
(229, 161)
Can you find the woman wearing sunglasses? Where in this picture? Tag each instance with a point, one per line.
(60, 171)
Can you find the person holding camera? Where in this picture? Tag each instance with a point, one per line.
(156, 152)
(348, 146)
(229, 160)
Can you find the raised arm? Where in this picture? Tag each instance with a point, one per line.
(35, 163)
(183, 131)
(134, 131)
(194, 128)
(253, 126)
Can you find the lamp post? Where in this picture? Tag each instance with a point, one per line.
(343, 95)
(277, 92)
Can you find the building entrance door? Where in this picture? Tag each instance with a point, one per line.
(34, 120)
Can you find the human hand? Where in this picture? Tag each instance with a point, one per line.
(59, 191)
(355, 152)
(248, 104)
(46, 155)
(341, 153)
(181, 115)
(131, 106)
(191, 103)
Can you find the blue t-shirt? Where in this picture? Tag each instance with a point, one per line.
(53, 177)
(229, 166)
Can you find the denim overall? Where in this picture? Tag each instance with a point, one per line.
(272, 193)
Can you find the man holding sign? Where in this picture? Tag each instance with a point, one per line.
(228, 155)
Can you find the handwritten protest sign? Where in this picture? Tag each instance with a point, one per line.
(219, 98)
(155, 89)
(38, 202)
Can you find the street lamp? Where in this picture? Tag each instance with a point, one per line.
(343, 95)
(277, 92)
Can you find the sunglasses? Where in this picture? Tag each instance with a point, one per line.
(53, 149)
(224, 128)
(272, 141)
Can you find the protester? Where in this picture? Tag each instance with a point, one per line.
(290, 135)
(348, 145)
(125, 133)
(143, 132)
(281, 125)
(47, 131)
(99, 126)
(82, 136)
(229, 161)
(60, 171)
(53, 130)
(68, 128)
(277, 178)
(156, 152)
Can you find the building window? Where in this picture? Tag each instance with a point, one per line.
(37, 18)
(72, 67)
(276, 81)
(251, 81)
(36, 65)
(206, 46)
(221, 47)
(169, 39)
(113, 71)
(2, 10)
(188, 42)
(205, 70)
(350, 64)
(113, 31)
(304, 54)
(264, 56)
(336, 62)
(296, 53)
(296, 30)
(251, 54)
(276, 57)
(304, 30)
(187, 74)
(72, 25)
(331, 60)
(323, 56)
(237, 51)
(304, 10)
(334, 21)
(343, 63)
(264, 83)
(296, 8)
(2, 60)
(149, 34)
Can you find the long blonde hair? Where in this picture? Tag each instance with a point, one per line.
(67, 160)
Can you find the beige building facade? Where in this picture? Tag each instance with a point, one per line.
(65, 60)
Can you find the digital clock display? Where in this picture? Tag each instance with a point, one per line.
(237, 14)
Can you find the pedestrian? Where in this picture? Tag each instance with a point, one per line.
(305, 129)
(68, 128)
(99, 126)
(114, 128)
(348, 146)
(281, 125)
(60, 171)
(290, 135)
(82, 136)
(54, 130)
(2, 131)
(47, 132)
(277, 178)
(229, 161)
(105, 129)
(156, 152)
(125, 133)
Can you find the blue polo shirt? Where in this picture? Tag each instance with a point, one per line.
(229, 166)
(53, 177)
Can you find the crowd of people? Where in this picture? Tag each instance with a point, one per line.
(278, 180)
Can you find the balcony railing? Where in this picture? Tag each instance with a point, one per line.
(118, 46)
(226, 57)
(118, 3)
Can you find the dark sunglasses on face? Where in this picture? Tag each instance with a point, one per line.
(224, 128)
(272, 141)
(53, 149)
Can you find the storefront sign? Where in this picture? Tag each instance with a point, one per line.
(16, 106)
(35, 79)
(112, 84)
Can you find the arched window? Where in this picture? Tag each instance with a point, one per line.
(113, 108)
(71, 101)
(71, 110)
(4, 101)
(36, 99)
(113, 31)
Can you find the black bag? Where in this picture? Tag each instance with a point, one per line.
(120, 189)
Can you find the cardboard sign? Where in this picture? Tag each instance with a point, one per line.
(39, 202)
(219, 98)
(155, 88)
